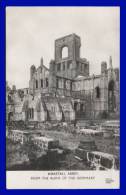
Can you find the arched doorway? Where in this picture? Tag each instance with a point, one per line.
(111, 96)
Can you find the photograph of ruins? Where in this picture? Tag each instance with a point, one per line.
(66, 118)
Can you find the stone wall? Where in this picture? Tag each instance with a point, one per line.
(39, 80)
(67, 80)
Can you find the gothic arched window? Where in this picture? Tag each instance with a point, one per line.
(42, 83)
(36, 84)
(64, 52)
(47, 82)
(97, 89)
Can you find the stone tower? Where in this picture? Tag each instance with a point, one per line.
(67, 57)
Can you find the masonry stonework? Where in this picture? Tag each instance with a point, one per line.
(66, 91)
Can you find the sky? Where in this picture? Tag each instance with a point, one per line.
(31, 32)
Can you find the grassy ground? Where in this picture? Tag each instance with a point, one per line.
(17, 154)
(71, 141)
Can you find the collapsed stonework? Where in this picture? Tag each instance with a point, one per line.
(65, 91)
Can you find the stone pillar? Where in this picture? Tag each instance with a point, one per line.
(52, 77)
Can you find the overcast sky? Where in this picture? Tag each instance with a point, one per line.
(31, 32)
